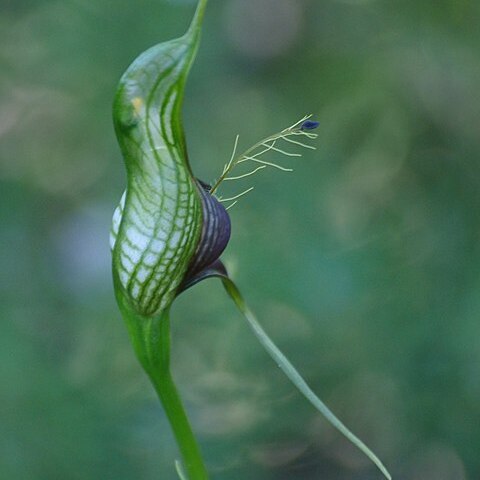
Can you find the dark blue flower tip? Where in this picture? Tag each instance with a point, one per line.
(309, 125)
(204, 185)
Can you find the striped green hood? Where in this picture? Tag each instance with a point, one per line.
(157, 227)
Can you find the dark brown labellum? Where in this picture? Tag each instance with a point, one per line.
(215, 235)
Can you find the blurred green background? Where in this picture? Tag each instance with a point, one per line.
(363, 265)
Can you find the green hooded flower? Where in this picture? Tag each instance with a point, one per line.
(170, 229)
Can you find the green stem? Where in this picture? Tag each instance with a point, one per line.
(151, 340)
(167, 392)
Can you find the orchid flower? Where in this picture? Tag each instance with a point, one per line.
(170, 229)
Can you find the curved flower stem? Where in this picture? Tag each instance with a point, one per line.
(151, 340)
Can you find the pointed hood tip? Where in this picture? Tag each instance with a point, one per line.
(197, 20)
